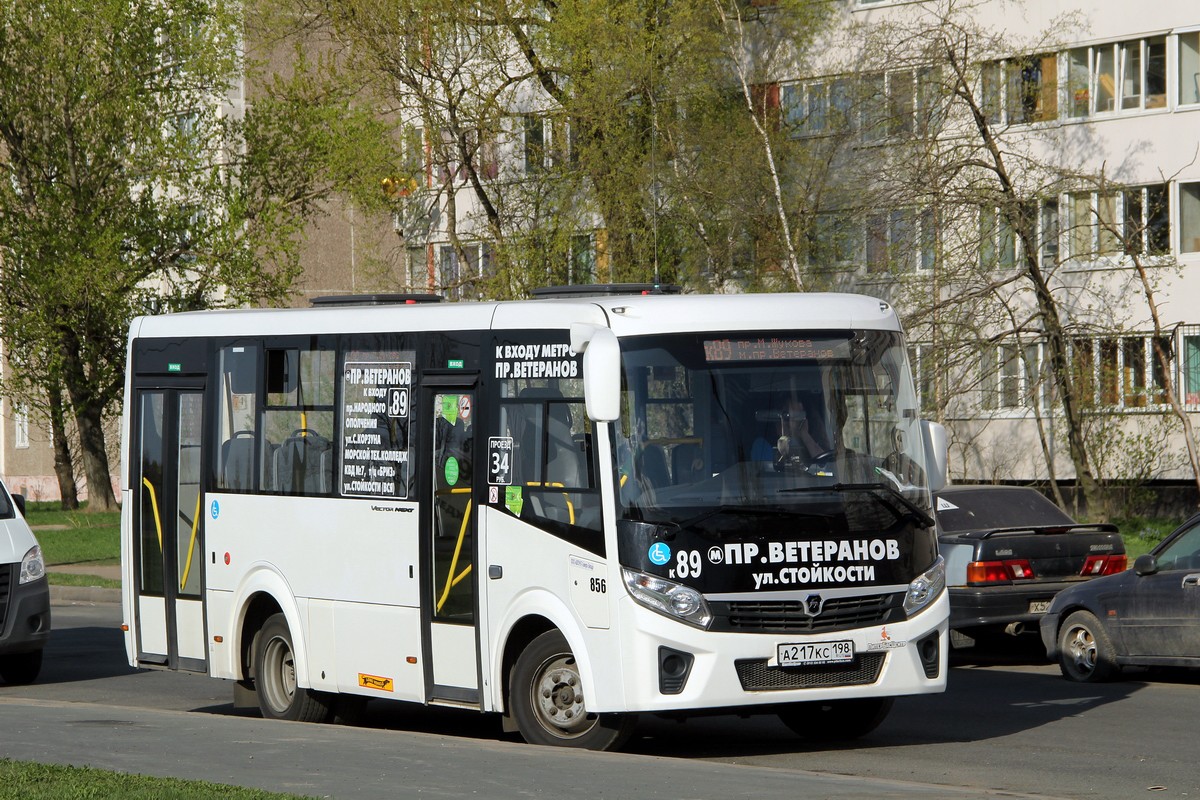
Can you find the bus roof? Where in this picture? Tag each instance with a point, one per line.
(630, 315)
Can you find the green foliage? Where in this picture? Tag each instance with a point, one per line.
(26, 780)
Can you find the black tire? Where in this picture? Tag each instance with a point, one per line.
(18, 669)
(835, 720)
(1085, 653)
(275, 678)
(546, 700)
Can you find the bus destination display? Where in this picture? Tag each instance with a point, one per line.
(775, 349)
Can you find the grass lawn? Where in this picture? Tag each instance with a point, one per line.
(78, 536)
(31, 781)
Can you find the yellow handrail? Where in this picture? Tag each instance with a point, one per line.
(192, 544)
(451, 580)
(154, 505)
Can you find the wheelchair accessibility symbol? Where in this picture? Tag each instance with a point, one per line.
(660, 553)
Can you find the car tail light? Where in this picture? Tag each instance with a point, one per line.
(985, 572)
(1103, 565)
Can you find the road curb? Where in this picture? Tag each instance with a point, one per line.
(83, 594)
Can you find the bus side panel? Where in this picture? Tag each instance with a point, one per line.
(364, 649)
(360, 552)
(537, 581)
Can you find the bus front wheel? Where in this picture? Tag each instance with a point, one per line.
(279, 697)
(546, 700)
(835, 719)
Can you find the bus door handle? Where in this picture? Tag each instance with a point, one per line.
(495, 572)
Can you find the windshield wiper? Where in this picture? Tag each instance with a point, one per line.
(914, 511)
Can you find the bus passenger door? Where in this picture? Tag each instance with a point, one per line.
(452, 670)
(168, 530)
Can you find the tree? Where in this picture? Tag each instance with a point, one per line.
(131, 187)
(542, 121)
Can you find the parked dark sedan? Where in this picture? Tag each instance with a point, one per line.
(1147, 616)
(1009, 550)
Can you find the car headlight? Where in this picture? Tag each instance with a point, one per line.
(926, 587)
(668, 598)
(33, 567)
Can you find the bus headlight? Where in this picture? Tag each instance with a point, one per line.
(33, 566)
(926, 587)
(668, 598)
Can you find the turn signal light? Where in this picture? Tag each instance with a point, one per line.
(985, 572)
(1104, 565)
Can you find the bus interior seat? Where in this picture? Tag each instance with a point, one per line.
(652, 466)
(303, 464)
(237, 462)
(687, 465)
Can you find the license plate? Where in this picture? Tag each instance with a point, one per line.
(807, 653)
(1039, 606)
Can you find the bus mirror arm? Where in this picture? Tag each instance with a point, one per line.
(937, 455)
(601, 373)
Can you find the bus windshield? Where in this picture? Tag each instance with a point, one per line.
(735, 426)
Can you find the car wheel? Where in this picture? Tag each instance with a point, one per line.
(21, 668)
(1086, 654)
(546, 699)
(279, 697)
(835, 720)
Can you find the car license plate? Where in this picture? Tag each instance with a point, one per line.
(807, 653)
(1039, 606)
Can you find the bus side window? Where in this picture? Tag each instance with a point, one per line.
(236, 428)
(299, 416)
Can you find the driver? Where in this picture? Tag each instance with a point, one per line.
(798, 439)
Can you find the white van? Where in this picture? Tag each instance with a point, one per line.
(24, 594)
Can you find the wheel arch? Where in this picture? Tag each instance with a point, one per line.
(534, 614)
(265, 593)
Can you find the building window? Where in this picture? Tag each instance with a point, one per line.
(1117, 77)
(583, 259)
(817, 108)
(997, 239)
(1121, 372)
(1146, 220)
(535, 143)
(889, 105)
(1189, 68)
(1049, 231)
(924, 369)
(902, 240)
(836, 240)
(21, 427)
(1095, 225)
(1021, 90)
(1189, 217)
(1191, 365)
(1011, 377)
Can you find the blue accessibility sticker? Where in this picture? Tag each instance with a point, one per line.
(660, 553)
(215, 510)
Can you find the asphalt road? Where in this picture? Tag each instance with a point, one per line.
(1008, 726)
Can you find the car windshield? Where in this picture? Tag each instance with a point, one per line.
(816, 423)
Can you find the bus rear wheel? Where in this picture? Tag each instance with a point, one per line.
(546, 699)
(279, 697)
(836, 719)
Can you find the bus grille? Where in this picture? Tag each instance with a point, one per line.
(6, 582)
(756, 676)
(787, 616)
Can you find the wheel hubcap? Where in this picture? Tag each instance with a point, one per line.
(557, 696)
(1082, 649)
(279, 674)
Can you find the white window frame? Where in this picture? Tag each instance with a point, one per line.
(21, 427)
(1188, 83)
(1119, 52)
(1012, 378)
(1132, 391)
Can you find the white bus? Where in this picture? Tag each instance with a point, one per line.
(567, 510)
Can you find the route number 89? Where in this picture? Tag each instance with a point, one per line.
(687, 563)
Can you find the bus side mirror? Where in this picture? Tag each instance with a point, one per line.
(602, 376)
(937, 454)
